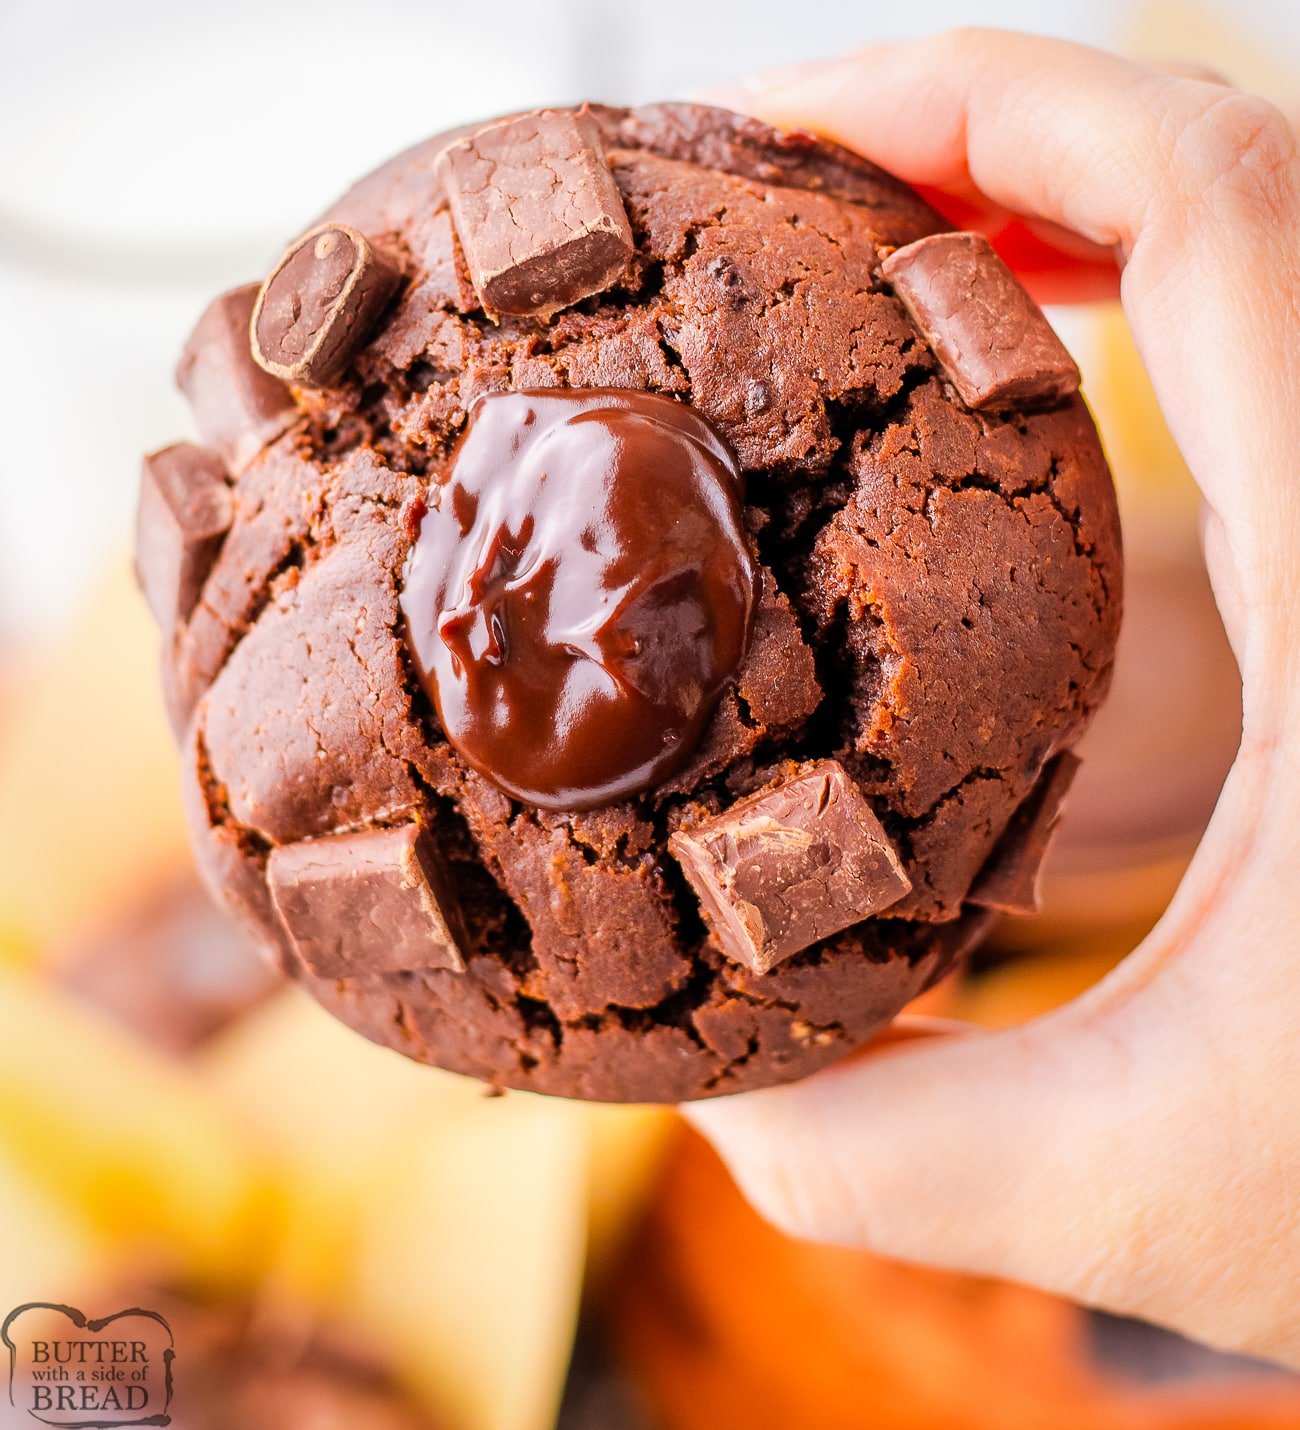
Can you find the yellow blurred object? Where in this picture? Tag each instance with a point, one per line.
(1218, 37)
(448, 1224)
(1016, 992)
(89, 803)
(119, 1142)
(469, 1259)
(320, 1103)
(293, 1158)
(626, 1147)
(14, 949)
(1159, 501)
(46, 1242)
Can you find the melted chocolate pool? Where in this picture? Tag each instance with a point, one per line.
(580, 591)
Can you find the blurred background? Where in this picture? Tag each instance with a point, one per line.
(339, 1238)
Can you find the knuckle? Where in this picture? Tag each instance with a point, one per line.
(785, 1199)
(1242, 145)
(812, 1196)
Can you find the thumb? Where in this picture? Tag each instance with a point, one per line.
(1111, 1151)
(963, 1151)
(1057, 1154)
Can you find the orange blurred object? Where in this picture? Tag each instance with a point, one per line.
(724, 1322)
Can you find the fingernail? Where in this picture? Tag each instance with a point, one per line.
(783, 76)
(754, 91)
(753, 88)
(732, 95)
(1189, 69)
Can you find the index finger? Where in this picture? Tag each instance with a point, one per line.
(1060, 131)
(1194, 184)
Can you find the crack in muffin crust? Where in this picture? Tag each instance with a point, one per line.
(939, 612)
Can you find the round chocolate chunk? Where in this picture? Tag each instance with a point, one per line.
(319, 305)
(581, 591)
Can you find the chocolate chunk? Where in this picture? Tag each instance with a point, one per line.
(374, 902)
(1009, 880)
(239, 408)
(184, 511)
(988, 334)
(792, 864)
(537, 212)
(320, 304)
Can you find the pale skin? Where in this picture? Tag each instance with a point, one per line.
(1138, 1149)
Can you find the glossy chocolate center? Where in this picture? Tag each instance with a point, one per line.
(580, 591)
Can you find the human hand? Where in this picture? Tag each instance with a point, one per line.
(1138, 1149)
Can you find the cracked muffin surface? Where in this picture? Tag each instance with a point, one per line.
(938, 595)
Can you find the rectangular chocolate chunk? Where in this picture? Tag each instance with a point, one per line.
(990, 337)
(375, 902)
(537, 212)
(185, 509)
(1009, 880)
(794, 863)
(238, 408)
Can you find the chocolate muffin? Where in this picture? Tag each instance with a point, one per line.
(631, 610)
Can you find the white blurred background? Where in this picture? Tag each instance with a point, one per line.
(154, 152)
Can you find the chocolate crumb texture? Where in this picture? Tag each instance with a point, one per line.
(933, 581)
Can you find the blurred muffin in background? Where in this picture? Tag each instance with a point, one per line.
(235, 1365)
(1158, 751)
(1153, 762)
(96, 882)
(170, 968)
(260, 1369)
